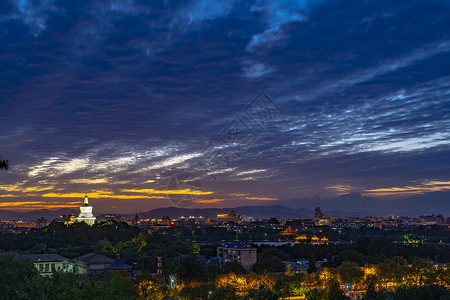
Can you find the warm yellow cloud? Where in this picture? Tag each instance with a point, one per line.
(36, 189)
(210, 201)
(89, 181)
(261, 198)
(3, 204)
(102, 195)
(425, 187)
(437, 183)
(19, 188)
(37, 204)
(11, 188)
(8, 196)
(341, 189)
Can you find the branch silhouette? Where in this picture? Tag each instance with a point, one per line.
(4, 164)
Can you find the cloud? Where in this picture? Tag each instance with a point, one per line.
(33, 14)
(168, 192)
(250, 172)
(204, 10)
(422, 188)
(107, 96)
(277, 14)
(256, 70)
(99, 195)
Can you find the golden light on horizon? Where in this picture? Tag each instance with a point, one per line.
(425, 187)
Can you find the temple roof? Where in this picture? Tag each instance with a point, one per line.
(289, 230)
(93, 258)
(118, 264)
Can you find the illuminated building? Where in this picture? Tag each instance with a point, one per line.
(166, 220)
(320, 218)
(222, 218)
(47, 264)
(226, 218)
(26, 224)
(289, 232)
(243, 253)
(86, 213)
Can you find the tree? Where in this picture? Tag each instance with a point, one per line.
(233, 267)
(422, 293)
(312, 265)
(351, 255)
(15, 277)
(261, 294)
(191, 269)
(273, 264)
(350, 272)
(335, 292)
(213, 271)
(151, 290)
(288, 285)
(224, 293)
(315, 294)
(4, 164)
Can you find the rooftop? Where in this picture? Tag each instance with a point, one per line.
(41, 257)
(95, 258)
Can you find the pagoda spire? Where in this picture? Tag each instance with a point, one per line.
(86, 202)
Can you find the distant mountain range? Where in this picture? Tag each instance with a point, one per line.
(353, 204)
(36, 214)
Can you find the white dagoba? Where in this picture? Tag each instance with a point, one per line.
(86, 213)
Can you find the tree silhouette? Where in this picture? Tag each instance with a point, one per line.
(4, 164)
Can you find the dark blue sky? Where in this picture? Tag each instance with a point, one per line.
(115, 98)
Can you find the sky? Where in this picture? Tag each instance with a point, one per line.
(147, 104)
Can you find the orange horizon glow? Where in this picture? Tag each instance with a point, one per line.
(210, 201)
(29, 205)
(100, 195)
(425, 187)
(261, 198)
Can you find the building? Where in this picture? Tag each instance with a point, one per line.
(119, 266)
(46, 264)
(226, 218)
(92, 263)
(232, 217)
(166, 220)
(243, 253)
(298, 266)
(317, 213)
(86, 213)
(320, 218)
(222, 218)
(289, 232)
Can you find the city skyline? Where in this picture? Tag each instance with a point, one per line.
(222, 104)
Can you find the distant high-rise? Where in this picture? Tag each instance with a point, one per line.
(86, 213)
(317, 213)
